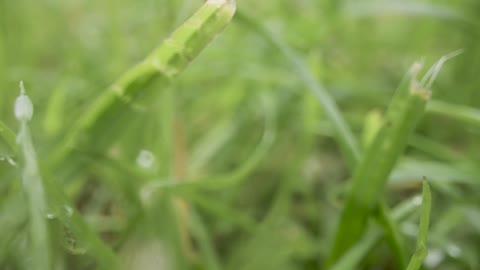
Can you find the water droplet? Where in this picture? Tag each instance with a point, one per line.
(145, 159)
(434, 258)
(11, 161)
(71, 242)
(417, 200)
(23, 106)
(69, 210)
(454, 251)
(50, 216)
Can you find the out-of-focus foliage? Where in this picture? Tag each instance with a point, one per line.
(241, 115)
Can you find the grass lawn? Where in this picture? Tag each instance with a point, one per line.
(257, 135)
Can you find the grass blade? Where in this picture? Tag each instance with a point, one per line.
(163, 64)
(33, 187)
(345, 137)
(372, 172)
(47, 201)
(460, 113)
(421, 250)
(352, 258)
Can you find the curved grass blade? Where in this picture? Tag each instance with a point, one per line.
(421, 250)
(345, 137)
(163, 65)
(371, 174)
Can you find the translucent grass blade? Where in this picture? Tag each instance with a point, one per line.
(421, 249)
(41, 257)
(163, 65)
(371, 174)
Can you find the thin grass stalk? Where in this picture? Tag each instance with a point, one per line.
(345, 137)
(392, 235)
(40, 252)
(371, 174)
(421, 250)
(47, 202)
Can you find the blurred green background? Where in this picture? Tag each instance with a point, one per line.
(209, 122)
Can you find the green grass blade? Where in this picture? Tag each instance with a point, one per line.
(371, 174)
(465, 114)
(352, 258)
(47, 201)
(200, 232)
(345, 137)
(41, 257)
(163, 65)
(392, 235)
(421, 250)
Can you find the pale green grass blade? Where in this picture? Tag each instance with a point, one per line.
(421, 249)
(464, 114)
(410, 171)
(40, 252)
(47, 201)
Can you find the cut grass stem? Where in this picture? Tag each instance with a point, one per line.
(370, 175)
(163, 64)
